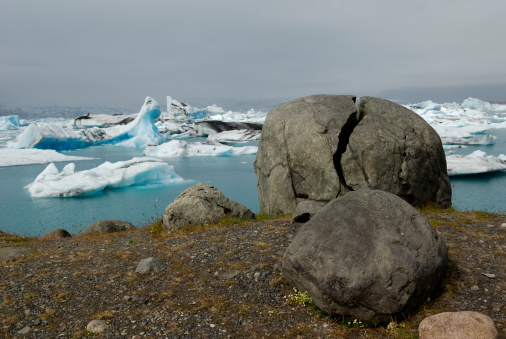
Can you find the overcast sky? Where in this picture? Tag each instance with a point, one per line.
(115, 53)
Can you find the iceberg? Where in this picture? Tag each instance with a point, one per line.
(10, 122)
(14, 157)
(234, 136)
(138, 133)
(68, 183)
(181, 148)
(103, 120)
(474, 163)
(206, 128)
(464, 123)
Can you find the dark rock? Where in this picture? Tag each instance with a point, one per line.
(306, 209)
(321, 146)
(201, 204)
(56, 234)
(395, 150)
(368, 255)
(107, 226)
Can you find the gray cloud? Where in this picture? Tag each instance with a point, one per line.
(114, 53)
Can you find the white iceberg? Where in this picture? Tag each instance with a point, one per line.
(10, 122)
(234, 136)
(474, 163)
(181, 148)
(138, 133)
(68, 183)
(103, 120)
(464, 123)
(14, 157)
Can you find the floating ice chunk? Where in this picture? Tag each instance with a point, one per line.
(14, 157)
(181, 148)
(68, 183)
(234, 136)
(138, 133)
(476, 104)
(103, 120)
(474, 163)
(10, 122)
(486, 139)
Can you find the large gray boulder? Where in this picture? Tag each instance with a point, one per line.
(107, 226)
(368, 255)
(322, 146)
(201, 204)
(395, 150)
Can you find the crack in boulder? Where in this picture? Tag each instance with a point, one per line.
(344, 138)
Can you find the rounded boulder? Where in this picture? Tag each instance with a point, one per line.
(201, 204)
(368, 255)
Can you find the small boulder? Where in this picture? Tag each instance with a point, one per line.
(56, 234)
(201, 204)
(96, 326)
(462, 325)
(306, 209)
(107, 226)
(149, 264)
(368, 255)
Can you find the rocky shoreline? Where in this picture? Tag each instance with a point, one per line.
(220, 281)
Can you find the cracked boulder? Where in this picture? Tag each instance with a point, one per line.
(323, 146)
(367, 255)
(199, 205)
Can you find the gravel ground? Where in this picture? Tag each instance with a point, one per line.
(219, 282)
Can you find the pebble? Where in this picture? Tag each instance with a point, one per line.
(475, 288)
(489, 275)
(97, 326)
(24, 330)
(503, 226)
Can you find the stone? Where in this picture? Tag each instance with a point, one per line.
(393, 149)
(150, 264)
(107, 226)
(56, 234)
(367, 255)
(462, 325)
(320, 147)
(96, 326)
(306, 209)
(25, 330)
(201, 204)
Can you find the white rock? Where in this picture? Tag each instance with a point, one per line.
(96, 326)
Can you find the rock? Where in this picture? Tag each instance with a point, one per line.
(306, 209)
(462, 325)
(367, 255)
(12, 253)
(201, 204)
(474, 288)
(230, 274)
(107, 226)
(393, 149)
(149, 264)
(25, 330)
(96, 326)
(56, 234)
(321, 146)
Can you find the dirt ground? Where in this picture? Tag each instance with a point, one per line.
(219, 281)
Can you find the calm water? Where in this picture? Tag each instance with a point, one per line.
(234, 176)
(22, 214)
